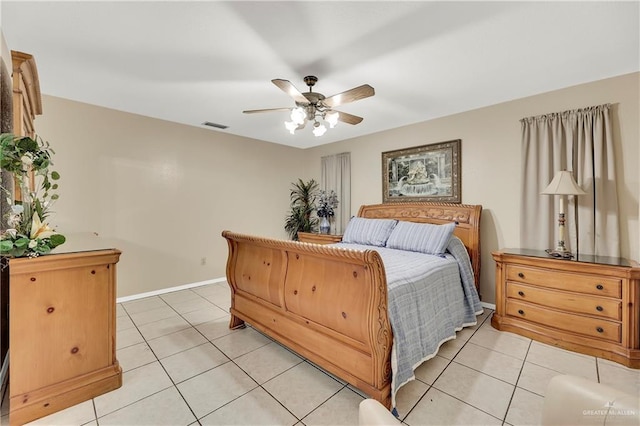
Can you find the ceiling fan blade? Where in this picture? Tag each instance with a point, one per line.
(348, 118)
(351, 95)
(290, 89)
(253, 111)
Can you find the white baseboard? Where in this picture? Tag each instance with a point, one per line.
(169, 290)
(488, 305)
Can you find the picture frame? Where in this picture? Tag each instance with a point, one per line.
(423, 173)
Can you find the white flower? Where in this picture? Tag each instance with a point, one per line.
(33, 244)
(26, 160)
(39, 230)
(11, 233)
(17, 208)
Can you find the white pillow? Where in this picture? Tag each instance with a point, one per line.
(372, 232)
(421, 237)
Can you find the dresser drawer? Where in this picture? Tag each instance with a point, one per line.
(591, 327)
(571, 302)
(580, 283)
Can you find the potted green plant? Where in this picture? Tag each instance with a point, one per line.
(303, 201)
(27, 232)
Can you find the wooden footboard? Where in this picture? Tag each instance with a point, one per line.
(327, 304)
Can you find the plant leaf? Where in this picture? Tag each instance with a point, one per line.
(56, 239)
(21, 242)
(6, 246)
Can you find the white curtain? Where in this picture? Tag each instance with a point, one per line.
(581, 141)
(336, 175)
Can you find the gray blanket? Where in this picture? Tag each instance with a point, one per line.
(430, 298)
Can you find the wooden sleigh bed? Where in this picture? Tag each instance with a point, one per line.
(330, 304)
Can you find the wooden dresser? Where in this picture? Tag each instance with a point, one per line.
(62, 331)
(314, 237)
(590, 305)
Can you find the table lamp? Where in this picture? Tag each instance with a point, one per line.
(562, 184)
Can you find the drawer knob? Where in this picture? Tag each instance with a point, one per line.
(520, 311)
(599, 308)
(520, 274)
(521, 293)
(599, 329)
(600, 287)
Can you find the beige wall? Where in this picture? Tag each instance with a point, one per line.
(491, 160)
(163, 192)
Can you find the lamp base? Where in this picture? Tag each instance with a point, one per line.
(560, 253)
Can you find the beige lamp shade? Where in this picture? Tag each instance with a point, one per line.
(563, 183)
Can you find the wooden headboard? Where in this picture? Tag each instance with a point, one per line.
(466, 216)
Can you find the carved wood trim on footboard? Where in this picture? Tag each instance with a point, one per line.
(328, 304)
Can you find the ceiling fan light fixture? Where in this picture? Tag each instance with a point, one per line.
(298, 115)
(313, 106)
(319, 129)
(332, 118)
(291, 126)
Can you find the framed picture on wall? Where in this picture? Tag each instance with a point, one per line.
(422, 173)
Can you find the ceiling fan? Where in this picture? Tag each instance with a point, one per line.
(311, 106)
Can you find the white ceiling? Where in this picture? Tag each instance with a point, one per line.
(196, 61)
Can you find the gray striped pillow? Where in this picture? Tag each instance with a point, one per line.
(421, 237)
(372, 232)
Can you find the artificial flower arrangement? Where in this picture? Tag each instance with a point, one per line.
(327, 203)
(28, 233)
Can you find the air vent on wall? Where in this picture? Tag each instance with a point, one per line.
(216, 125)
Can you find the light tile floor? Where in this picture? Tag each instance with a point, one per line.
(183, 366)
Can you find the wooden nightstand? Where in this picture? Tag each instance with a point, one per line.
(589, 305)
(314, 237)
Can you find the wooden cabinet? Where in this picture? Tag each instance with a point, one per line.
(62, 331)
(314, 237)
(27, 101)
(590, 305)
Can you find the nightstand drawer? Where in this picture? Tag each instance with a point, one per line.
(571, 302)
(580, 283)
(591, 327)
